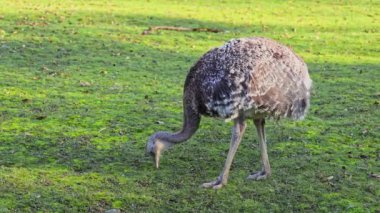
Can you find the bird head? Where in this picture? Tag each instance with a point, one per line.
(155, 146)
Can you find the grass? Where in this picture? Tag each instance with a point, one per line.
(81, 90)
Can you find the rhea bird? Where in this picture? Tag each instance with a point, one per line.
(247, 78)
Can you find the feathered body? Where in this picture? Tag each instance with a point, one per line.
(249, 75)
(245, 78)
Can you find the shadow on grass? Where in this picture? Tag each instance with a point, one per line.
(55, 68)
(117, 144)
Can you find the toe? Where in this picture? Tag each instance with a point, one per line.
(208, 185)
(261, 175)
(218, 186)
(214, 184)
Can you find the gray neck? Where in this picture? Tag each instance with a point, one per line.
(190, 126)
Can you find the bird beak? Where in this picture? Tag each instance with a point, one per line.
(157, 153)
(157, 158)
(159, 147)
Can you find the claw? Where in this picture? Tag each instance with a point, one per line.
(260, 175)
(213, 184)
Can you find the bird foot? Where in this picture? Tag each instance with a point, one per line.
(214, 184)
(260, 175)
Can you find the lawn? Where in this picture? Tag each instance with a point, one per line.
(81, 90)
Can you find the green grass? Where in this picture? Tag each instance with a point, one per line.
(81, 90)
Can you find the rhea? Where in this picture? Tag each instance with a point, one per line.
(247, 78)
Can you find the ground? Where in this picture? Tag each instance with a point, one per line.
(81, 90)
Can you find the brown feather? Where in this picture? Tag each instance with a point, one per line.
(250, 74)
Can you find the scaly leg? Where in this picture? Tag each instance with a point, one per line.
(266, 171)
(237, 134)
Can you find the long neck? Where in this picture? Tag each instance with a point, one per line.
(190, 125)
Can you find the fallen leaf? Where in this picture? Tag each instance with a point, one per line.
(365, 131)
(84, 84)
(377, 176)
(113, 211)
(27, 134)
(41, 117)
(26, 100)
(45, 68)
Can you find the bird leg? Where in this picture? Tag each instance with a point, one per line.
(265, 171)
(237, 134)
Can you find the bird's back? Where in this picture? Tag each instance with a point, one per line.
(255, 75)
